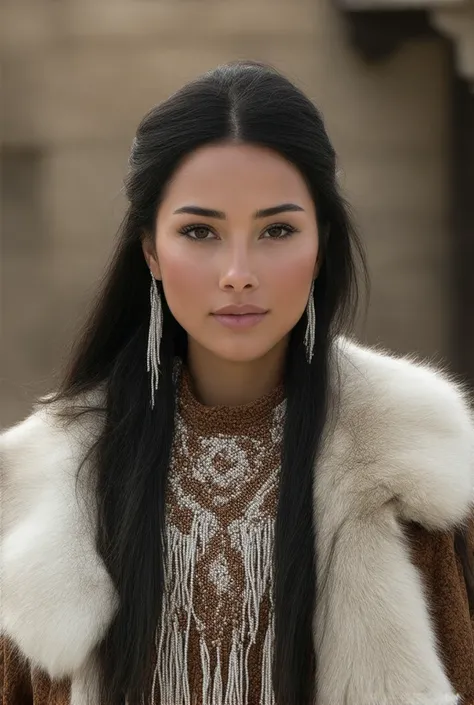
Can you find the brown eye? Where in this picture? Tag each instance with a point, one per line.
(196, 232)
(200, 233)
(279, 231)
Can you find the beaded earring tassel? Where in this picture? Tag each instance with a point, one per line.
(154, 338)
(310, 334)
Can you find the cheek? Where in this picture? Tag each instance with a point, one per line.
(185, 280)
(291, 278)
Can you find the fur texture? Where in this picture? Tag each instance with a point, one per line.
(399, 445)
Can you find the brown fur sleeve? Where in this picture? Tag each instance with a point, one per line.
(15, 676)
(22, 685)
(447, 577)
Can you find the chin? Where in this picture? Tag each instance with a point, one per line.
(241, 353)
(237, 356)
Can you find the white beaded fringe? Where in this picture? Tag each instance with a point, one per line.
(171, 670)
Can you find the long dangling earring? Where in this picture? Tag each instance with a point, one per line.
(154, 337)
(310, 334)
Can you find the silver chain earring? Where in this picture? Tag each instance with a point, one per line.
(154, 337)
(310, 334)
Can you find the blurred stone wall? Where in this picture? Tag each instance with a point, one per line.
(78, 76)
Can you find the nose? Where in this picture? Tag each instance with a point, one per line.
(238, 274)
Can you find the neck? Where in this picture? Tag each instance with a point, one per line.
(220, 382)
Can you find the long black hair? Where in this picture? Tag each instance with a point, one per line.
(243, 101)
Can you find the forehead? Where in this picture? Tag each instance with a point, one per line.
(229, 176)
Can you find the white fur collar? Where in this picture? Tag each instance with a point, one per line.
(401, 446)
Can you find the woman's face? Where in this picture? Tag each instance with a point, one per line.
(216, 246)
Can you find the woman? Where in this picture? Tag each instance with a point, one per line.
(227, 501)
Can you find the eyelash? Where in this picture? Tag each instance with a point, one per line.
(189, 228)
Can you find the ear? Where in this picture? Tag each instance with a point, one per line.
(149, 252)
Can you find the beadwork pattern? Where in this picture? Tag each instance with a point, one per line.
(215, 645)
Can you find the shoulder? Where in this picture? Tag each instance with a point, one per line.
(402, 383)
(412, 426)
(51, 432)
(40, 456)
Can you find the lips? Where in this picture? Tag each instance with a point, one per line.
(241, 320)
(243, 310)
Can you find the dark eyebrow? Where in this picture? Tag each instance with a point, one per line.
(264, 213)
(274, 210)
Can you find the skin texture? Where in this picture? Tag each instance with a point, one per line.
(239, 259)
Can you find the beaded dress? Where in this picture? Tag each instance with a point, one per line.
(216, 642)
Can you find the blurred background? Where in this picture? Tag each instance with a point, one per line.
(395, 83)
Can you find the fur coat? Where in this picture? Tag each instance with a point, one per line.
(394, 480)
